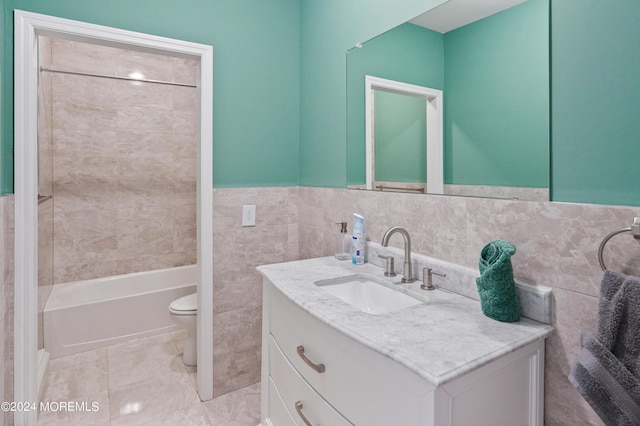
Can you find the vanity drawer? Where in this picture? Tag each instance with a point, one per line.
(353, 375)
(278, 414)
(302, 402)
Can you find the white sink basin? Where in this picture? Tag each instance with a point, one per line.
(367, 294)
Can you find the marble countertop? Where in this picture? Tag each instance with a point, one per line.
(442, 339)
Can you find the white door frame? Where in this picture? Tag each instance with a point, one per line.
(433, 138)
(28, 26)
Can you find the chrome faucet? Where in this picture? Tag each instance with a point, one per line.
(407, 275)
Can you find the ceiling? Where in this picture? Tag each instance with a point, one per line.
(457, 13)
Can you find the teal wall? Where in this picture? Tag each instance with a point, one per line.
(595, 92)
(420, 61)
(594, 89)
(400, 129)
(329, 29)
(292, 55)
(6, 104)
(496, 99)
(495, 77)
(256, 49)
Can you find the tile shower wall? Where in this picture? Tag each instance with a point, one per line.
(124, 162)
(557, 246)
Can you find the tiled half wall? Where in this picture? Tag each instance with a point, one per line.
(237, 286)
(556, 243)
(557, 246)
(6, 302)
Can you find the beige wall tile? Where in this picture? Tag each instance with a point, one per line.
(135, 94)
(236, 349)
(144, 118)
(77, 56)
(84, 196)
(573, 314)
(6, 301)
(152, 66)
(124, 183)
(73, 115)
(85, 92)
(84, 170)
(85, 142)
(183, 144)
(185, 70)
(145, 143)
(184, 98)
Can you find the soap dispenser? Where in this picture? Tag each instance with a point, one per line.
(343, 247)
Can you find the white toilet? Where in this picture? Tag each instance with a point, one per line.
(184, 311)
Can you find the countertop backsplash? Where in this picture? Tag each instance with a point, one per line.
(535, 300)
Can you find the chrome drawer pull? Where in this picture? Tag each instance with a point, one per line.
(318, 367)
(301, 414)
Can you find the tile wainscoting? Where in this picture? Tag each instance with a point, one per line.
(6, 301)
(237, 286)
(557, 246)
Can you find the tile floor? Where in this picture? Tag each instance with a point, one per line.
(142, 381)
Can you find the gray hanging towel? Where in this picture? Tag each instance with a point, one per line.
(607, 371)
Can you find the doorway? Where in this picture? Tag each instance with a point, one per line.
(28, 27)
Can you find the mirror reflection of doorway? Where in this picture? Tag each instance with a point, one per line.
(399, 139)
(403, 136)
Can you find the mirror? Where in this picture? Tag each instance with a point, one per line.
(490, 60)
(403, 126)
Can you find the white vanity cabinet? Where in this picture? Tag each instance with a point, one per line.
(313, 374)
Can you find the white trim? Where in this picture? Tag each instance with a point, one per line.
(25, 362)
(434, 103)
(205, 229)
(27, 27)
(536, 388)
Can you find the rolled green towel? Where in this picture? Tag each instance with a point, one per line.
(497, 288)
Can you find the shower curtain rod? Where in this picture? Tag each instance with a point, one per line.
(143, 80)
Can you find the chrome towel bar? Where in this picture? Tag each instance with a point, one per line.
(635, 231)
(399, 188)
(116, 77)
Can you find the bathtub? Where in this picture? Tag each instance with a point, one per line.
(85, 315)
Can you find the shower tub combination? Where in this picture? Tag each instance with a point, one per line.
(91, 314)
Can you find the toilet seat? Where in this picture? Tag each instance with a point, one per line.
(185, 305)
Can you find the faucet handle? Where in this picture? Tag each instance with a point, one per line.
(389, 268)
(427, 278)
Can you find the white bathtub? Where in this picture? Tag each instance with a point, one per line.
(84, 315)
